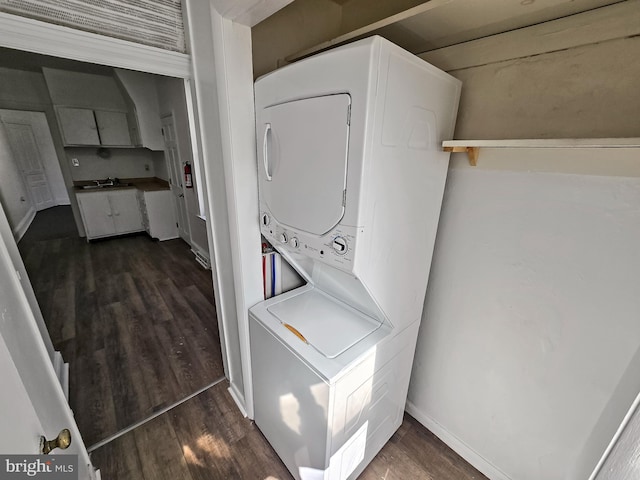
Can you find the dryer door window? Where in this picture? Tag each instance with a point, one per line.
(303, 161)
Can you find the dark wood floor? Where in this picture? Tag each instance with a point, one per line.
(207, 438)
(134, 317)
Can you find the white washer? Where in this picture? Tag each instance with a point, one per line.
(351, 182)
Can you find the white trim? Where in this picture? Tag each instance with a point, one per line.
(460, 447)
(232, 55)
(195, 146)
(25, 223)
(26, 34)
(238, 398)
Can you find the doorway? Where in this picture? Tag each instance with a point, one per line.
(134, 317)
(35, 168)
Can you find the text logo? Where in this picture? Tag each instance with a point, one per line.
(49, 467)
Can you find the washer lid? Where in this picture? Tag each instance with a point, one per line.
(303, 161)
(327, 324)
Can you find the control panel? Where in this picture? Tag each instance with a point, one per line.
(336, 248)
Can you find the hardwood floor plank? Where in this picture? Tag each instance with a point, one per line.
(98, 412)
(88, 323)
(131, 398)
(61, 323)
(433, 455)
(120, 460)
(185, 365)
(162, 457)
(153, 361)
(155, 307)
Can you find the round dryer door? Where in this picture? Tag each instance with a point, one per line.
(303, 161)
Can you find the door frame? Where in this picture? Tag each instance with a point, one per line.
(220, 65)
(176, 173)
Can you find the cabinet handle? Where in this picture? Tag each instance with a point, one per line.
(109, 215)
(117, 214)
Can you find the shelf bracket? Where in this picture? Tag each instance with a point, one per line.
(472, 153)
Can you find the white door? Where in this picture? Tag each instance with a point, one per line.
(31, 399)
(303, 161)
(176, 176)
(27, 156)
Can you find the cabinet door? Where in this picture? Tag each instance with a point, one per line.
(78, 126)
(96, 214)
(113, 128)
(126, 212)
(161, 215)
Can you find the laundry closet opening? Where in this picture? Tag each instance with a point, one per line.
(102, 189)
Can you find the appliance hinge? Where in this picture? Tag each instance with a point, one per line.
(344, 198)
(349, 115)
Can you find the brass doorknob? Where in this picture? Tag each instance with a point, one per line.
(62, 441)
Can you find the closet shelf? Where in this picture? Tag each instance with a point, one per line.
(472, 147)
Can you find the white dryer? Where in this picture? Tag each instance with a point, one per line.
(351, 177)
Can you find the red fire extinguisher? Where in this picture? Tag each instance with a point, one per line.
(188, 179)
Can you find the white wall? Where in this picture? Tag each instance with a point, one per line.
(300, 25)
(160, 165)
(13, 193)
(525, 359)
(141, 88)
(122, 163)
(587, 91)
(171, 98)
(531, 315)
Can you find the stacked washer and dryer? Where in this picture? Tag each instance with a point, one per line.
(351, 178)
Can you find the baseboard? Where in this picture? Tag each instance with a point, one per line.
(24, 224)
(236, 398)
(465, 451)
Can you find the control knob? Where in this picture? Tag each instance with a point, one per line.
(339, 245)
(283, 238)
(294, 242)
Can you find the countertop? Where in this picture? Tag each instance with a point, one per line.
(148, 184)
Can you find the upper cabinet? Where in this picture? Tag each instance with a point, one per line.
(112, 110)
(87, 127)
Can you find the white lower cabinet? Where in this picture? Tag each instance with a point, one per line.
(158, 214)
(110, 213)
